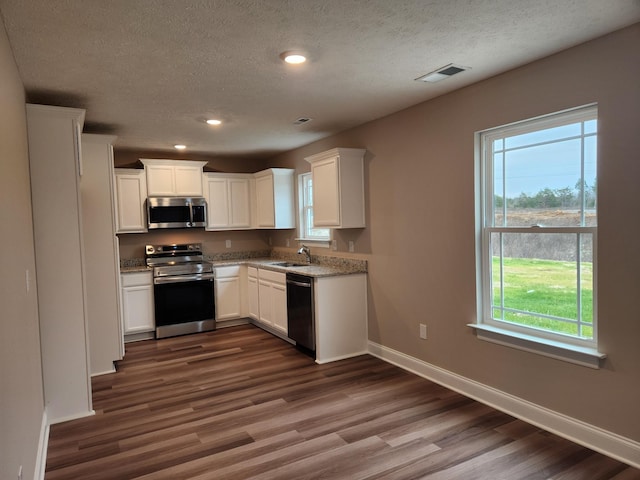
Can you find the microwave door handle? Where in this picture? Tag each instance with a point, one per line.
(190, 214)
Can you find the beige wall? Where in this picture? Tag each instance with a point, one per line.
(132, 244)
(130, 158)
(420, 238)
(21, 397)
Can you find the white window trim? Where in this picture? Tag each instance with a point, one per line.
(314, 242)
(585, 356)
(549, 344)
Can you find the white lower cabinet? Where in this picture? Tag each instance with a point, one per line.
(137, 303)
(279, 305)
(272, 300)
(340, 317)
(252, 293)
(228, 292)
(340, 308)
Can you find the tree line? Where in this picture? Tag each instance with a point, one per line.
(554, 198)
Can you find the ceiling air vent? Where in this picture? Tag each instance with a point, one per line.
(302, 120)
(442, 73)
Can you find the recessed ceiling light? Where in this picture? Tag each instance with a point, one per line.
(213, 121)
(442, 73)
(179, 147)
(293, 58)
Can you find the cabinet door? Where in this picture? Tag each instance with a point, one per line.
(239, 203)
(227, 298)
(279, 306)
(326, 193)
(131, 192)
(254, 310)
(160, 180)
(264, 302)
(265, 209)
(137, 309)
(217, 203)
(188, 181)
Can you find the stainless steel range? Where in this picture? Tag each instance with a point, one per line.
(183, 289)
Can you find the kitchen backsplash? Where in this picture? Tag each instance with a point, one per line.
(330, 261)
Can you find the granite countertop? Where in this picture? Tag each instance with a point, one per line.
(135, 268)
(310, 270)
(320, 266)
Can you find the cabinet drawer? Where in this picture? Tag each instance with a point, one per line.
(253, 272)
(271, 276)
(225, 272)
(136, 278)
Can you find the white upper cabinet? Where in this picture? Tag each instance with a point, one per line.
(131, 192)
(228, 198)
(173, 178)
(338, 188)
(274, 198)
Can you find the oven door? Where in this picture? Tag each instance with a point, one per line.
(183, 307)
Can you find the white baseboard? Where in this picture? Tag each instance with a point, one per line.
(75, 416)
(340, 357)
(234, 322)
(272, 331)
(590, 436)
(43, 445)
(113, 370)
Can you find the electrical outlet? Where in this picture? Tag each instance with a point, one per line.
(423, 331)
(288, 242)
(334, 245)
(227, 243)
(351, 246)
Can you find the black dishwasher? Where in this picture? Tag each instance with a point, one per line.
(300, 312)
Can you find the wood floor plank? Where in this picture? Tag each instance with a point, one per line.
(239, 403)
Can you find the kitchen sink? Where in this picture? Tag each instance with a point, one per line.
(289, 264)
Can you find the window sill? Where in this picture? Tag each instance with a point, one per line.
(314, 243)
(585, 356)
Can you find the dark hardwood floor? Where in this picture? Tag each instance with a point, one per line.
(239, 403)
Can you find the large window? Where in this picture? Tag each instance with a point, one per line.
(307, 231)
(538, 225)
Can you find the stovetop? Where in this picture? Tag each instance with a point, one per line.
(177, 259)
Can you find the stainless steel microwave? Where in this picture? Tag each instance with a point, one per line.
(176, 212)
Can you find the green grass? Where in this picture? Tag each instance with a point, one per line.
(544, 287)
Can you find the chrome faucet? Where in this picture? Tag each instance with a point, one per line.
(304, 249)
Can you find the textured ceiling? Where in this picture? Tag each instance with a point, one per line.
(151, 71)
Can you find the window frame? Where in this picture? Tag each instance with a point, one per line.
(563, 346)
(303, 210)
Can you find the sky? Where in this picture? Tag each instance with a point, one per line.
(532, 165)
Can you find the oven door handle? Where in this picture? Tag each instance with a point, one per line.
(182, 278)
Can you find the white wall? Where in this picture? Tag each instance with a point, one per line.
(21, 397)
